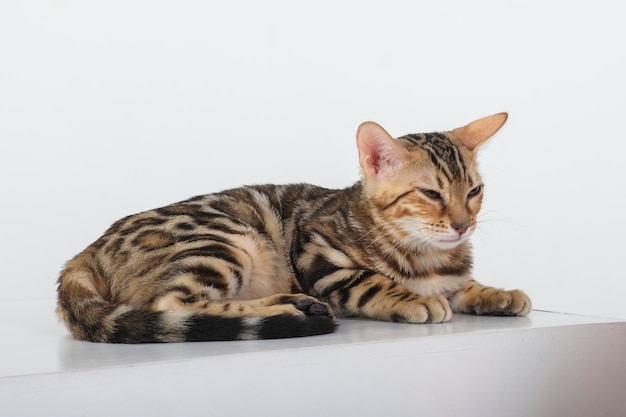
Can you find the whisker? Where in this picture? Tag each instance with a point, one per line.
(384, 235)
(372, 230)
(503, 218)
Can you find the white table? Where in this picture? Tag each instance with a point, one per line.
(547, 364)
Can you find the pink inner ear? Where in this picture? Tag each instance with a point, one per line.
(373, 160)
(378, 151)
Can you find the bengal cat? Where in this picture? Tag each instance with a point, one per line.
(275, 261)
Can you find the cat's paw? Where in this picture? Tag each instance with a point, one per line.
(498, 302)
(303, 304)
(434, 309)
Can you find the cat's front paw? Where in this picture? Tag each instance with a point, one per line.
(509, 303)
(423, 310)
(492, 302)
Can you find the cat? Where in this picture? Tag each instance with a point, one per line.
(277, 261)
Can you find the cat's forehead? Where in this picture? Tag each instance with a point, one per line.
(444, 154)
(439, 143)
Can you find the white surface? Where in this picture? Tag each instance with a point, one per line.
(38, 344)
(110, 108)
(547, 364)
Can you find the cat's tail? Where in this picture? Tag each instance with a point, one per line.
(84, 308)
(102, 322)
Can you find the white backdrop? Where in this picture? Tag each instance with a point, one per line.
(110, 108)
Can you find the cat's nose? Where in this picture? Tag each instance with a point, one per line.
(460, 227)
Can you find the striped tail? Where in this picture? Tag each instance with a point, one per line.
(99, 321)
(102, 322)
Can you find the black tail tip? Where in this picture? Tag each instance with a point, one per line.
(284, 326)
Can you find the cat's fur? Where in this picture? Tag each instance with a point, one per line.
(274, 261)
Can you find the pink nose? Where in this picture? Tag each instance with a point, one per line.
(460, 227)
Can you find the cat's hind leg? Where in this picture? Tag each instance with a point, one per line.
(290, 304)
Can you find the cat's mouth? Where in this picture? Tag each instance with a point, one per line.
(448, 242)
(453, 240)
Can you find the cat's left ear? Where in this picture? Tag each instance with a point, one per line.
(477, 132)
(379, 153)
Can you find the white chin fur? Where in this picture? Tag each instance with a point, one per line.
(446, 244)
(440, 241)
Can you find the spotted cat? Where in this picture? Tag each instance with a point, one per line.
(276, 261)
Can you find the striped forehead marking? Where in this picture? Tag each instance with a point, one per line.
(444, 154)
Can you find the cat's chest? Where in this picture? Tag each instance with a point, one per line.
(428, 273)
(435, 285)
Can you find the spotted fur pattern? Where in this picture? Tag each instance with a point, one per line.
(274, 261)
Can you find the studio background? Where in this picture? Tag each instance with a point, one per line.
(111, 108)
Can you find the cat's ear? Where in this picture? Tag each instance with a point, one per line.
(477, 132)
(379, 153)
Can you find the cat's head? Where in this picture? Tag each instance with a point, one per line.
(425, 186)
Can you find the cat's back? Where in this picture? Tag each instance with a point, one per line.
(259, 206)
(252, 219)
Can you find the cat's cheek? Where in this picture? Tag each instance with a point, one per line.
(413, 233)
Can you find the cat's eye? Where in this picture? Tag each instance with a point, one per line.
(431, 194)
(475, 191)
